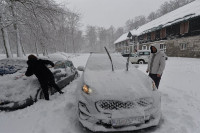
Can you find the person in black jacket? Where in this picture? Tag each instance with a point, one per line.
(38, 68)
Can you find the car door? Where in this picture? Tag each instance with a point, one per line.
(133, 58)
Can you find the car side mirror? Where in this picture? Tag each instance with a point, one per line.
(81, 68)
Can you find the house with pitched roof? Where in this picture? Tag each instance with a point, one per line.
(177, 32)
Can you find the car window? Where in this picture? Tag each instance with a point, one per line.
(141, 53)
(125, 55)
(146, 53)
(132, 55)
(69, 63)
(63, 64)
(59, 64)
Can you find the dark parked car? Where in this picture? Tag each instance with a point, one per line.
(18, 91)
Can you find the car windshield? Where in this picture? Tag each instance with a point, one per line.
(63, 64)
(102, 62)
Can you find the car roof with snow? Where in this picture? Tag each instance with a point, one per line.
(13, 61)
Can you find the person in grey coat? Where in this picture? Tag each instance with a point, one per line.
(156, 64)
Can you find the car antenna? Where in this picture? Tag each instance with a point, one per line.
(127, 63)
(109, 58)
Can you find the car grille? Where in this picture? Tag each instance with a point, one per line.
(109, 105)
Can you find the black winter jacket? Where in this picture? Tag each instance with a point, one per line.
(38, 67)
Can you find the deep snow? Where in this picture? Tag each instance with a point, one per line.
(180, 104)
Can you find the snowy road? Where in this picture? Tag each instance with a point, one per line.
(180, 104)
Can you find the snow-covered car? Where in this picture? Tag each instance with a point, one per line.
(18, 91)
(10, 66)
(116, 100)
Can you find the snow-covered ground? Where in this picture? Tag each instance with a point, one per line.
(180, 104)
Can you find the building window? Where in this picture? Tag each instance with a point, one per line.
(131, 49)
(144, 47)
(163, 47)
(183, 46)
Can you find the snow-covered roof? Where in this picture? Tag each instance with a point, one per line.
(186, 12)
(183, 13)
(124, 36)
(121, 38)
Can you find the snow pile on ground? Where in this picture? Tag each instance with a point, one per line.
(180, 104)
(180, 96)
(2, 56)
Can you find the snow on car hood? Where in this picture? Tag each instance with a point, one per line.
(13, 89)
(120, 84)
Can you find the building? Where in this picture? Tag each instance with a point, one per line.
(177, 32)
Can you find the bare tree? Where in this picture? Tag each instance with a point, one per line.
(152, 16)
(91, 36)
(3, 28)
(134, 24)
(73, 22)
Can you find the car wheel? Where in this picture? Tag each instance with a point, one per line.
(141, 62)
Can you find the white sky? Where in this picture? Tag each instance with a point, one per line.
(105, 13)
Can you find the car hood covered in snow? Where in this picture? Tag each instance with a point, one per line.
(118, 84)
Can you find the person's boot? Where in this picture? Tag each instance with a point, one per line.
(61, 92)
(46, 96)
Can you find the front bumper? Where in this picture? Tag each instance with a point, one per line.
(104, 122)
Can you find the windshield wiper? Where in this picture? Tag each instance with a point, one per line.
(109, 58)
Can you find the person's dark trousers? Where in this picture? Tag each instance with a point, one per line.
(155, 79)
(45, 88)
(54, 85)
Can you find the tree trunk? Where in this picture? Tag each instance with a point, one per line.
(19, 46)
(6, 43)
(36, 49)
(72, 35)
(24, 52)
(5, 38)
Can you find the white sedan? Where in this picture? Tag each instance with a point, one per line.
(118, 100)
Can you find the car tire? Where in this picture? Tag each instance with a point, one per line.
(141, 62)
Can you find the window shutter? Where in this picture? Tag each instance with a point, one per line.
(182, 28)
(145, 37)
(161, 34)
(153, 36)
(164, 32)
(186, 28)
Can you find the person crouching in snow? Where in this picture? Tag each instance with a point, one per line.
(38, 68)
(156, 64)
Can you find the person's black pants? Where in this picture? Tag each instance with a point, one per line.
(155, 79)
(45, 85)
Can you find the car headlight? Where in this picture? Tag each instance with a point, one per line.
(154, 86)
(86, 89)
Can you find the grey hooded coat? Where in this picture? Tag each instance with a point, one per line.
(156, 63)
